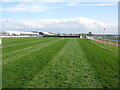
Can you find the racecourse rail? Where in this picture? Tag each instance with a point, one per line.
(12, 36)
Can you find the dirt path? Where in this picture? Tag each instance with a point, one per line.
(115, 44)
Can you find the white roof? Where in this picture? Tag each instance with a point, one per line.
(47, 33)
(23, 32)
(20, 32)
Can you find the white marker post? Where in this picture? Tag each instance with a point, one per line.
(117, 42)
(104, 35)
(0, 64)
(0, 42)
(110, 41)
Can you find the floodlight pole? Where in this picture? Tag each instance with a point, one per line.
(117, 42)
(100, 36)
(110, 41)
(104, 35)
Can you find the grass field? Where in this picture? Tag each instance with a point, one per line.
(58, 63)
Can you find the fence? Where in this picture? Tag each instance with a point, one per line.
(12, 36)
(103, 40)
(90, 37)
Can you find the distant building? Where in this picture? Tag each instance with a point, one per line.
(25, 33)
(47, 34)
(41, 33)
(19, 33)
(81, 36)
(90, 33)
(69, 36)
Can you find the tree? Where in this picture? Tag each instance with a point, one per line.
(41, 33)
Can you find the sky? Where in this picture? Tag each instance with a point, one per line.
(60, 17)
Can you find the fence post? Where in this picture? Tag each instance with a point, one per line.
(110, 42)
(0, 64)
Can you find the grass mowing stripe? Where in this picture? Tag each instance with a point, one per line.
(68, 69)
(7, 60)
(24, 48)
(27, 66)
(21, 43)
(19, 40)
(76, 64)
(104, 63)
(20, 46)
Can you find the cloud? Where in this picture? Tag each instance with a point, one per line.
(29, 7)
(72, 25)
(102, 4)
(33, 0)
(41, 7)
(91, 4)
(72, 4)
(60, 0)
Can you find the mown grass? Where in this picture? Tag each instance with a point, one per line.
(57, 63)
(68, 69)
(112, 48)
(105, 63)
(25, 67)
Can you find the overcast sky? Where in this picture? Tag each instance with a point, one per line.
(62, 17)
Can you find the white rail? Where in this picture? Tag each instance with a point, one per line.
(12, 36)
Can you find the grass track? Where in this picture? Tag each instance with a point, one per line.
(52, 62)
(69, 66)
(104, 63)
(24, 51)
(29, 63)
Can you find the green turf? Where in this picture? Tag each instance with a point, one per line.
(105, 63)
(57, 63)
